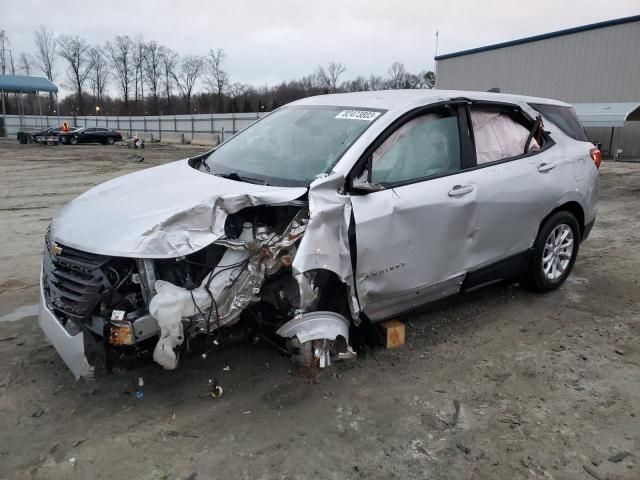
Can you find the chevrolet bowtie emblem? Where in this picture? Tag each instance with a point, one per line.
(55, 249)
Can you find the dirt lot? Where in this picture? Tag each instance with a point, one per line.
(548, 386)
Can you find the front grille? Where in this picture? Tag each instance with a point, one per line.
(73, 282)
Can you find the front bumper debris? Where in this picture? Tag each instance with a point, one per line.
(69, 347)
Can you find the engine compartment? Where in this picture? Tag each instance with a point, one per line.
(241, 286)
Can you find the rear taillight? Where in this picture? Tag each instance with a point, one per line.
(596, 156)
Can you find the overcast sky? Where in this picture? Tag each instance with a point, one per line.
(268, 41)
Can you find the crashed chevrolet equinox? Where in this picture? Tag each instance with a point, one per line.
(330, 213)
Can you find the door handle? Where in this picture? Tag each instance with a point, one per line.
(545, 167)
(460, 190)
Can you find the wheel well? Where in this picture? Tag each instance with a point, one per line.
(572, 207)
(333, 293)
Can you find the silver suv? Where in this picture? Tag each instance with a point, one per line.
(329, 213)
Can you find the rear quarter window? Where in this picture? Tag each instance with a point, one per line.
(565, 119)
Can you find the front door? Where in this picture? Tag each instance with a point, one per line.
(412, 236)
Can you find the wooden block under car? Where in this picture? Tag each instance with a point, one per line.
(393, 331)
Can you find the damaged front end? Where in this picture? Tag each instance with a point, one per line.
(252, 280)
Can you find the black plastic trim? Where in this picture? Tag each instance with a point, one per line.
(587, 230)
(505, 269)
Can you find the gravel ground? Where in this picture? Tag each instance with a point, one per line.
(501, 383)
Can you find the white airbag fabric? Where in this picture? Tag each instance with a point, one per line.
(497, 136)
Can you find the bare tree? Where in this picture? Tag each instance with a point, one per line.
(5, 49)
(45, 51)
(99, 75)
(120, 54)
(26, 63)
(359, 84)
(238, 89)
(46, 55)
(169, 62)
(328, 78)
(152, 68)
(139, 48)
(12, 65)
(75, 51)
(235, 91)
(411, 80)
(216, 78)
(307, 84)
(376, 82)
(186, 78)
(396, 75)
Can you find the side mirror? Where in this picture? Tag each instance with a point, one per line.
(360, 185)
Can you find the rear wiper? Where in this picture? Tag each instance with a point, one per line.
(242, 178)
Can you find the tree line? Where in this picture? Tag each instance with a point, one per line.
(152, 79)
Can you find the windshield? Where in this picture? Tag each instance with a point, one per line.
(292, 145)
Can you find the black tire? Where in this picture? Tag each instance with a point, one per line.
(73, 141)
(111, 140)
(535, 278)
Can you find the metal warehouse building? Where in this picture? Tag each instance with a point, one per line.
(595, 67)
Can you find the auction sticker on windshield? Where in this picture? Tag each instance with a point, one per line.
(358, 115)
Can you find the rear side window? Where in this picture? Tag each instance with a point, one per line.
(501, 133)
(565, 119)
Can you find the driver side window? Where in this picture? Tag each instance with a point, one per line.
(425, 146)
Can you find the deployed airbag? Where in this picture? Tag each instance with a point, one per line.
(498, 136)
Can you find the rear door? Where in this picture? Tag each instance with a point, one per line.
(102, 134)
(516, 189)
(88, 135)
(413, 236)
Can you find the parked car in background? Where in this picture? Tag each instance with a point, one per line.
(329, 213)
(47, 135)
(105, 136)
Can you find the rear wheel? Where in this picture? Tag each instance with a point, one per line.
(554, 252)
(73, 141)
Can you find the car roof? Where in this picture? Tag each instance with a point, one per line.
(396, 99)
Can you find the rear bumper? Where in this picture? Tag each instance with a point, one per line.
(69, 347)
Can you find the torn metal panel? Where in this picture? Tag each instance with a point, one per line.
(316, 326)
(226, 291)
(161, 212)
(69, 346)
(325, 245)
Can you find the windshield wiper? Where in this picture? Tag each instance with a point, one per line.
(242, 178)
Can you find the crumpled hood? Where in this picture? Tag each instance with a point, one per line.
(161, 212)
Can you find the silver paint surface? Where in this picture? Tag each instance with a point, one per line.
(415, 243)
(69, 347)
(325, 245)
(161, 212)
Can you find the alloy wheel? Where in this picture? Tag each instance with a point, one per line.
(558, 249)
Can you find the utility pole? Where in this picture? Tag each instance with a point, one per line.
(435, 63)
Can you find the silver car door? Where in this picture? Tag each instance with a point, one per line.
(515, 193)
(413, 236)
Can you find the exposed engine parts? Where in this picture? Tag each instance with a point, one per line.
(231, 267)
(222, 295)
(242, 284)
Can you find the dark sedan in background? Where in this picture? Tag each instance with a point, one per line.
(106, 136)
(47, 136)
